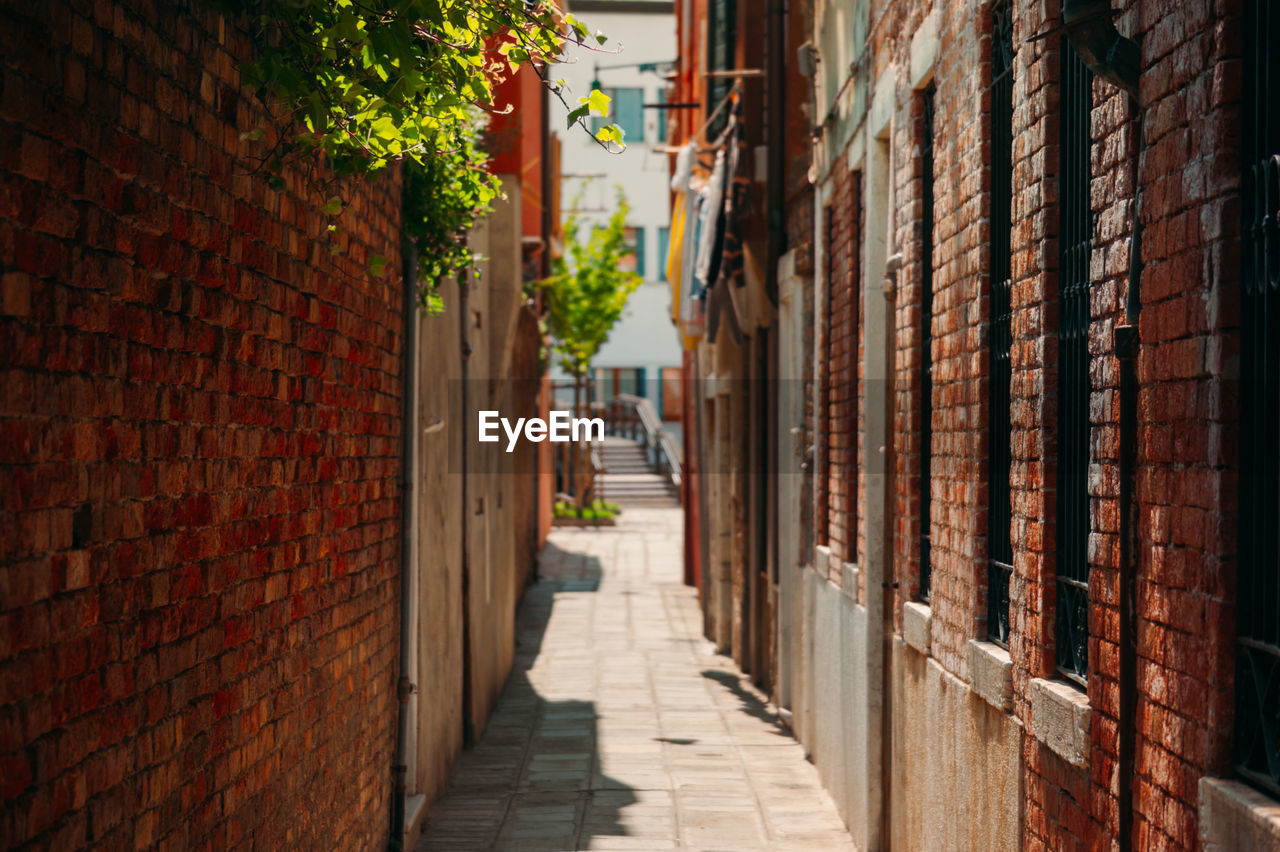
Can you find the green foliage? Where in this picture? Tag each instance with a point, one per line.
(369, 84)
(598, 510)
(438, 210)
(587, 290)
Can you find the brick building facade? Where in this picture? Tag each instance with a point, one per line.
(202, 545)
(1020, 618)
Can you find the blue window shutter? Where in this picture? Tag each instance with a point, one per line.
(630, 114)
(640, 252)
(662, 119)
(664, 243)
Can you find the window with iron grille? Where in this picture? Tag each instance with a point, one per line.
(855, 332)
(1075, 232)
(999, 506)
(1257, 717)
(926, 339)
(824, 382)
(722, 28)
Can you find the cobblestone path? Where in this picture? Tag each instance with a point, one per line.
(621, 728)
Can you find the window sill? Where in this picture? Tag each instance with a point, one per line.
(991, 673)
(849, 581)
(1060, 718)
(1233, 816)
(917, 624)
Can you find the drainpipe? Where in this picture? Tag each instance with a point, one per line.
(405, 687)
(1127, 344)
(464, 313)
(890, 583)
(1088, 25)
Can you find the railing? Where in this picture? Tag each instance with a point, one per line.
(634, 417)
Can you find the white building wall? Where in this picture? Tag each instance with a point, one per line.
(645, 336)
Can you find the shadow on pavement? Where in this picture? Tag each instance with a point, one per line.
(533, 781)
(751, 703)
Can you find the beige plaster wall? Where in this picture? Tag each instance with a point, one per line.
(957, 778)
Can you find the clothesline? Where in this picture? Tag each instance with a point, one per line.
(733, 90)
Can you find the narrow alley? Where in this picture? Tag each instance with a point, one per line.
(621, 728)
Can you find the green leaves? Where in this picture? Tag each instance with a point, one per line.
(610, 133)
(370, 83)
(598, 101)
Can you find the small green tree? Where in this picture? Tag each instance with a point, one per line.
(584, 297)
(588, 289)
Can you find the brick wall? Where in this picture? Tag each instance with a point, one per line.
(1188, 411)
(1187, 421)
(201, 446)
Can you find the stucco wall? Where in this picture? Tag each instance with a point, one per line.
(957, 779)
(833, 700)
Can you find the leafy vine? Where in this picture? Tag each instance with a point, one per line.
(370, 83)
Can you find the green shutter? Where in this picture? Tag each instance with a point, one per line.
(629, 114)
(664, 243)
(640, 252)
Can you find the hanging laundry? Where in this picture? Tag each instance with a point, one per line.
(736, 201)
(710, 229)
(728, 268)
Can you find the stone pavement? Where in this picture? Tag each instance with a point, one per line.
(621, 728)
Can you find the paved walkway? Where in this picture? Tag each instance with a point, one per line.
(621, 728)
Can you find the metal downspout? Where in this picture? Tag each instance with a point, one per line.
(405, 686)
(464, 313)
(1127, 344)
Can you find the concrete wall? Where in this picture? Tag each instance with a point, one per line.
(957, 777)
(832, 700)
(476, 504)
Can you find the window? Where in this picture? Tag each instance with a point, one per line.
(664, 243)
(926, 340)
(634, 237)
(722, 27)
(662, 117)
(1075, 232)
(1257, 720)
(626, 109)
(822, 521)
(999, 456)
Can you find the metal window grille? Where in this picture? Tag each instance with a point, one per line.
(824, 382)
(855, 326)
(722, 28)
(1257, 717)
(1075, 231)
(926, 341)
(999, 457)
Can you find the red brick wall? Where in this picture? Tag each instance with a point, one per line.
(198, 470)
(1187, 422)
(1188, 411)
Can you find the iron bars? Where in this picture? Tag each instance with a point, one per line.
(1075, 232)
(926, 339)
(1257, 717)
(999, 457)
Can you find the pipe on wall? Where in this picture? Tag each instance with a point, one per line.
(1126, 345)
(405, 686)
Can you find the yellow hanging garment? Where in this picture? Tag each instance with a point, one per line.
(675, 255)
